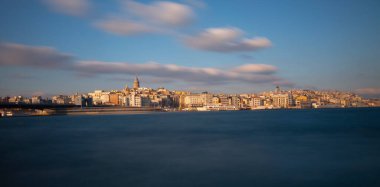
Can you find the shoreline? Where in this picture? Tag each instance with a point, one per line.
(9, 113)
(139, 111)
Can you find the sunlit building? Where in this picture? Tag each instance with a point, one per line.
(194, 100)
(256, 102)
(114, 98)
(215, 100)
(280, 101)
(36, 100)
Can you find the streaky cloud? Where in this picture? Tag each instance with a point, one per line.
(256, 68)
(124, 27)
(49, 58)
(161, 12)
(189, 74)
(368, 91)
(228, 39)
(31, 56)
(69, 7)
(159, 17)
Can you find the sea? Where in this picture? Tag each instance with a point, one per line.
(291, 148)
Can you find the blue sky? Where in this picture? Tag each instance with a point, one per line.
(65, 46)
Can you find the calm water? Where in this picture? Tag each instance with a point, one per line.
(331, 147)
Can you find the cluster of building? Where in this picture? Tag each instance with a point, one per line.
(181, 100)
(128, 97)
(77, 99)
(136, 97)
(277, 99)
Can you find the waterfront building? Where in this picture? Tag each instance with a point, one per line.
(280, 100)
(175, 101)
(82, 100)
(97, 97)
(114, 98)
(234, 101)
(61, 100)
(125, 101)
(206, 98)
(145, 101)
(256, 102)
(244, 101)
(215, 100)
(36, 100)
(224, 100)
(4, 99)
(134, 100)
(181, 100)
(302, 101)
(302, 104)
(105, 98)
(345, 103)
(193, 100)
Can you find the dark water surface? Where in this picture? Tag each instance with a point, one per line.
(332, 147)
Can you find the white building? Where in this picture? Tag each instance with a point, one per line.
(281, 100)
(36, 100)
(105, 97)
(194, 100)
(134, 100)
(256, 102)
(96, 96)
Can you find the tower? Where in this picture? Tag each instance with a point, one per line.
(136, 83)
(277, 89)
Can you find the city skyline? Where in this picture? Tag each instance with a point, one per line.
(135, 84)
(138, 96)
(50, 47)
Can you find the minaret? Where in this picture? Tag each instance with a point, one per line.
(136, 83)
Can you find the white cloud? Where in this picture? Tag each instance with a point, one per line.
(161, 12)
(225, 40)
(158, 17)
(123, 27)
(69, 7)
(256, 68)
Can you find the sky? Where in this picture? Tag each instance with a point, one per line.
(50, 47)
